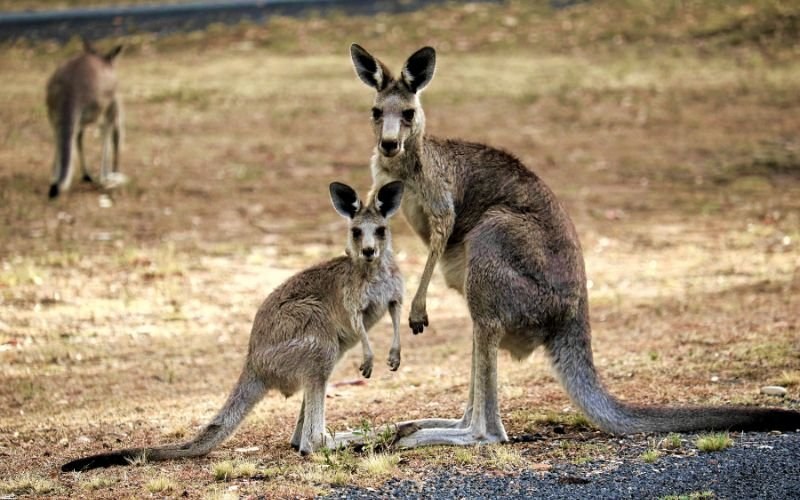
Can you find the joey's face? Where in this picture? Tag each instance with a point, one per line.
(396, 116)
(369, 237)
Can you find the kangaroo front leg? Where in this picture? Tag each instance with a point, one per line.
(394, 351)
(358, 326)
(441, 220)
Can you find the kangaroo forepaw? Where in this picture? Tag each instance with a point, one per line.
(53, 191)
(418, 323)
(366, 368)
(394, 360)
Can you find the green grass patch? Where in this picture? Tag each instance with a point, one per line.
(650, 456)
(672, 441)
(717, 441)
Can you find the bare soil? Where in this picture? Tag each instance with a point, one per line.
(669, 131)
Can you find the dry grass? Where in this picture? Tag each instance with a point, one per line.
(124, 325)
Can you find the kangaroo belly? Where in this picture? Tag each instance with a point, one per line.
(454, 266)
(522, 344)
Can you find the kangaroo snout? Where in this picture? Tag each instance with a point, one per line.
(368, 253)
(389, 147)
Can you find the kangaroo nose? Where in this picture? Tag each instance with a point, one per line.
(389, 146)
(368, 252)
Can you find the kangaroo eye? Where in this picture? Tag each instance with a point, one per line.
(380, 232)
(356, 232)
(408, 115)
(377, 114)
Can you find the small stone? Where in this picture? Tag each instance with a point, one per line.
(773, 390)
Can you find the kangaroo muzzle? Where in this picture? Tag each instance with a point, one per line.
(390, 143)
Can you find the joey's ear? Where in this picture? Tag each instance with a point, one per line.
(369, 69)
(113, 53)
(419, 68)
(345, 200)
(387, 201)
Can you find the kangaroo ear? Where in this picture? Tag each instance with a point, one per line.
(419, 68)
(387, 201)
(369, 69)
(87, 46)
(113, 53)
(345, 200)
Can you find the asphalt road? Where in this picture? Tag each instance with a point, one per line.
(759, 465)
(115, 21)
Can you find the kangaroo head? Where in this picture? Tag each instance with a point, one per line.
(108, 57)
(369, 236)
(396, 114)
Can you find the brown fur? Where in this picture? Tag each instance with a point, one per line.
(507, 244)
(81, 92)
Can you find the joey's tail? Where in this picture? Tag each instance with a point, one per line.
(64, 127)
(571, 353)
(248, 391)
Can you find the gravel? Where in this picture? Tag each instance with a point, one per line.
(759, 465)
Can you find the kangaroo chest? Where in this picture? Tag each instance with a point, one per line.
(415, 215)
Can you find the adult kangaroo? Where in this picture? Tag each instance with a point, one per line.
(508, 246)
(83, 91)
(302, 330)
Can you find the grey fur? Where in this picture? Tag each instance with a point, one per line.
(505, 242)
(81, 92)
(302, 330)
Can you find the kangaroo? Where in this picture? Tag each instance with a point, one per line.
(301, 331)
(508, 246)
(83, 91)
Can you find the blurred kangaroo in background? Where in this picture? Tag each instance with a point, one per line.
(302, 330)
(81, 92)
(509, 247)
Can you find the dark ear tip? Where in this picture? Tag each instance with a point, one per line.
(356, 49)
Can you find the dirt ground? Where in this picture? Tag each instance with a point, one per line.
(669, 130)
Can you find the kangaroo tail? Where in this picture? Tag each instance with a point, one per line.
(248, 391)
(571, 354)
(64, 126)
